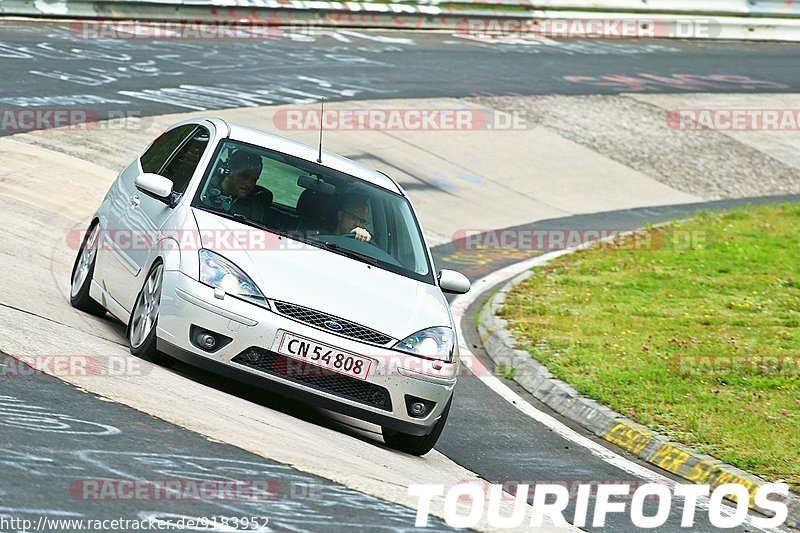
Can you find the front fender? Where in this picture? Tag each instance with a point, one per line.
(169, 251)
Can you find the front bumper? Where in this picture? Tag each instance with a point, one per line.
(187, 303)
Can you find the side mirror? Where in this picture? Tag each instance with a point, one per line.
(453, 282)
(156, 186)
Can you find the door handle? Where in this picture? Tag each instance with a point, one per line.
(135, 201)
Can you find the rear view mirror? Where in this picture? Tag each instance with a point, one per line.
(453, 282)
(316, 185)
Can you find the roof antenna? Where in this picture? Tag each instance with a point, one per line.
(321, 117)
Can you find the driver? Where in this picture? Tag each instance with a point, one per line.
(352, 218)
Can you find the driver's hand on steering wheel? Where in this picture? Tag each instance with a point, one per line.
(361, 234)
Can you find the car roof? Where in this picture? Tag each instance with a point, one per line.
(257, 137)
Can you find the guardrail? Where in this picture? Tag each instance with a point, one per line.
(777, 8)
(770, 20)
(731, 7)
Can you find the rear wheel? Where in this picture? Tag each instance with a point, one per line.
(144, 319)
(413, 444)
(82, 274)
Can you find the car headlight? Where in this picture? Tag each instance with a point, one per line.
(433, 343)
(217, 271)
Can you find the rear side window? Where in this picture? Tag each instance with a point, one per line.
(182, 166)
(281, 179)
(158, 152)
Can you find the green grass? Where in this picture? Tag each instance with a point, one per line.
(617, 321)
(505, 371)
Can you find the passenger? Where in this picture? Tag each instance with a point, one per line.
(244, 169)
(237, 191)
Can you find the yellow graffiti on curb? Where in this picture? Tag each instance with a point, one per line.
(702, 471)
(629, 438)
(723, 477)
(670, 458)
(673, 459)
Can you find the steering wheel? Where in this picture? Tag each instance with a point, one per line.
(372, 241)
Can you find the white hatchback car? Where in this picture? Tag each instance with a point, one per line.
(269, 261)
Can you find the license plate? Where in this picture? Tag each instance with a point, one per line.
(322, 355)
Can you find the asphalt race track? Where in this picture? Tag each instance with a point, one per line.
(53, 433)
(78, 439)
(48, 65)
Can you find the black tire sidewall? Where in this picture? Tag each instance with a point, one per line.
(82, 300)
(147, 349)
(417, 445)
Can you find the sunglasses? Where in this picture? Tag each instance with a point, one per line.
(360, 220)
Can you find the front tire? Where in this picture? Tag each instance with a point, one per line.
(83, 272)
(144, 319)
(413, 444)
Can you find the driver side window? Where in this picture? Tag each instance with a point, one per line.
(157, 153)
(183, 164)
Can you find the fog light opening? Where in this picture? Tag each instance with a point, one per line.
(418, 409)
(207, 341)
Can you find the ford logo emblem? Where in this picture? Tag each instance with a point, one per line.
(335, 326)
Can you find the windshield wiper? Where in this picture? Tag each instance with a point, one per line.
(364, 258)
(238, 217)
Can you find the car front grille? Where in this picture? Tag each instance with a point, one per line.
(317, 319)
(317, 377)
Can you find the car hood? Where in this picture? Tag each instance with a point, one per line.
(291, 271)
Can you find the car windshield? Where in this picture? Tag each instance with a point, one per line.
(317, 205)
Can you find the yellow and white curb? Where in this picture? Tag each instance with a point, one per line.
(600, 420)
